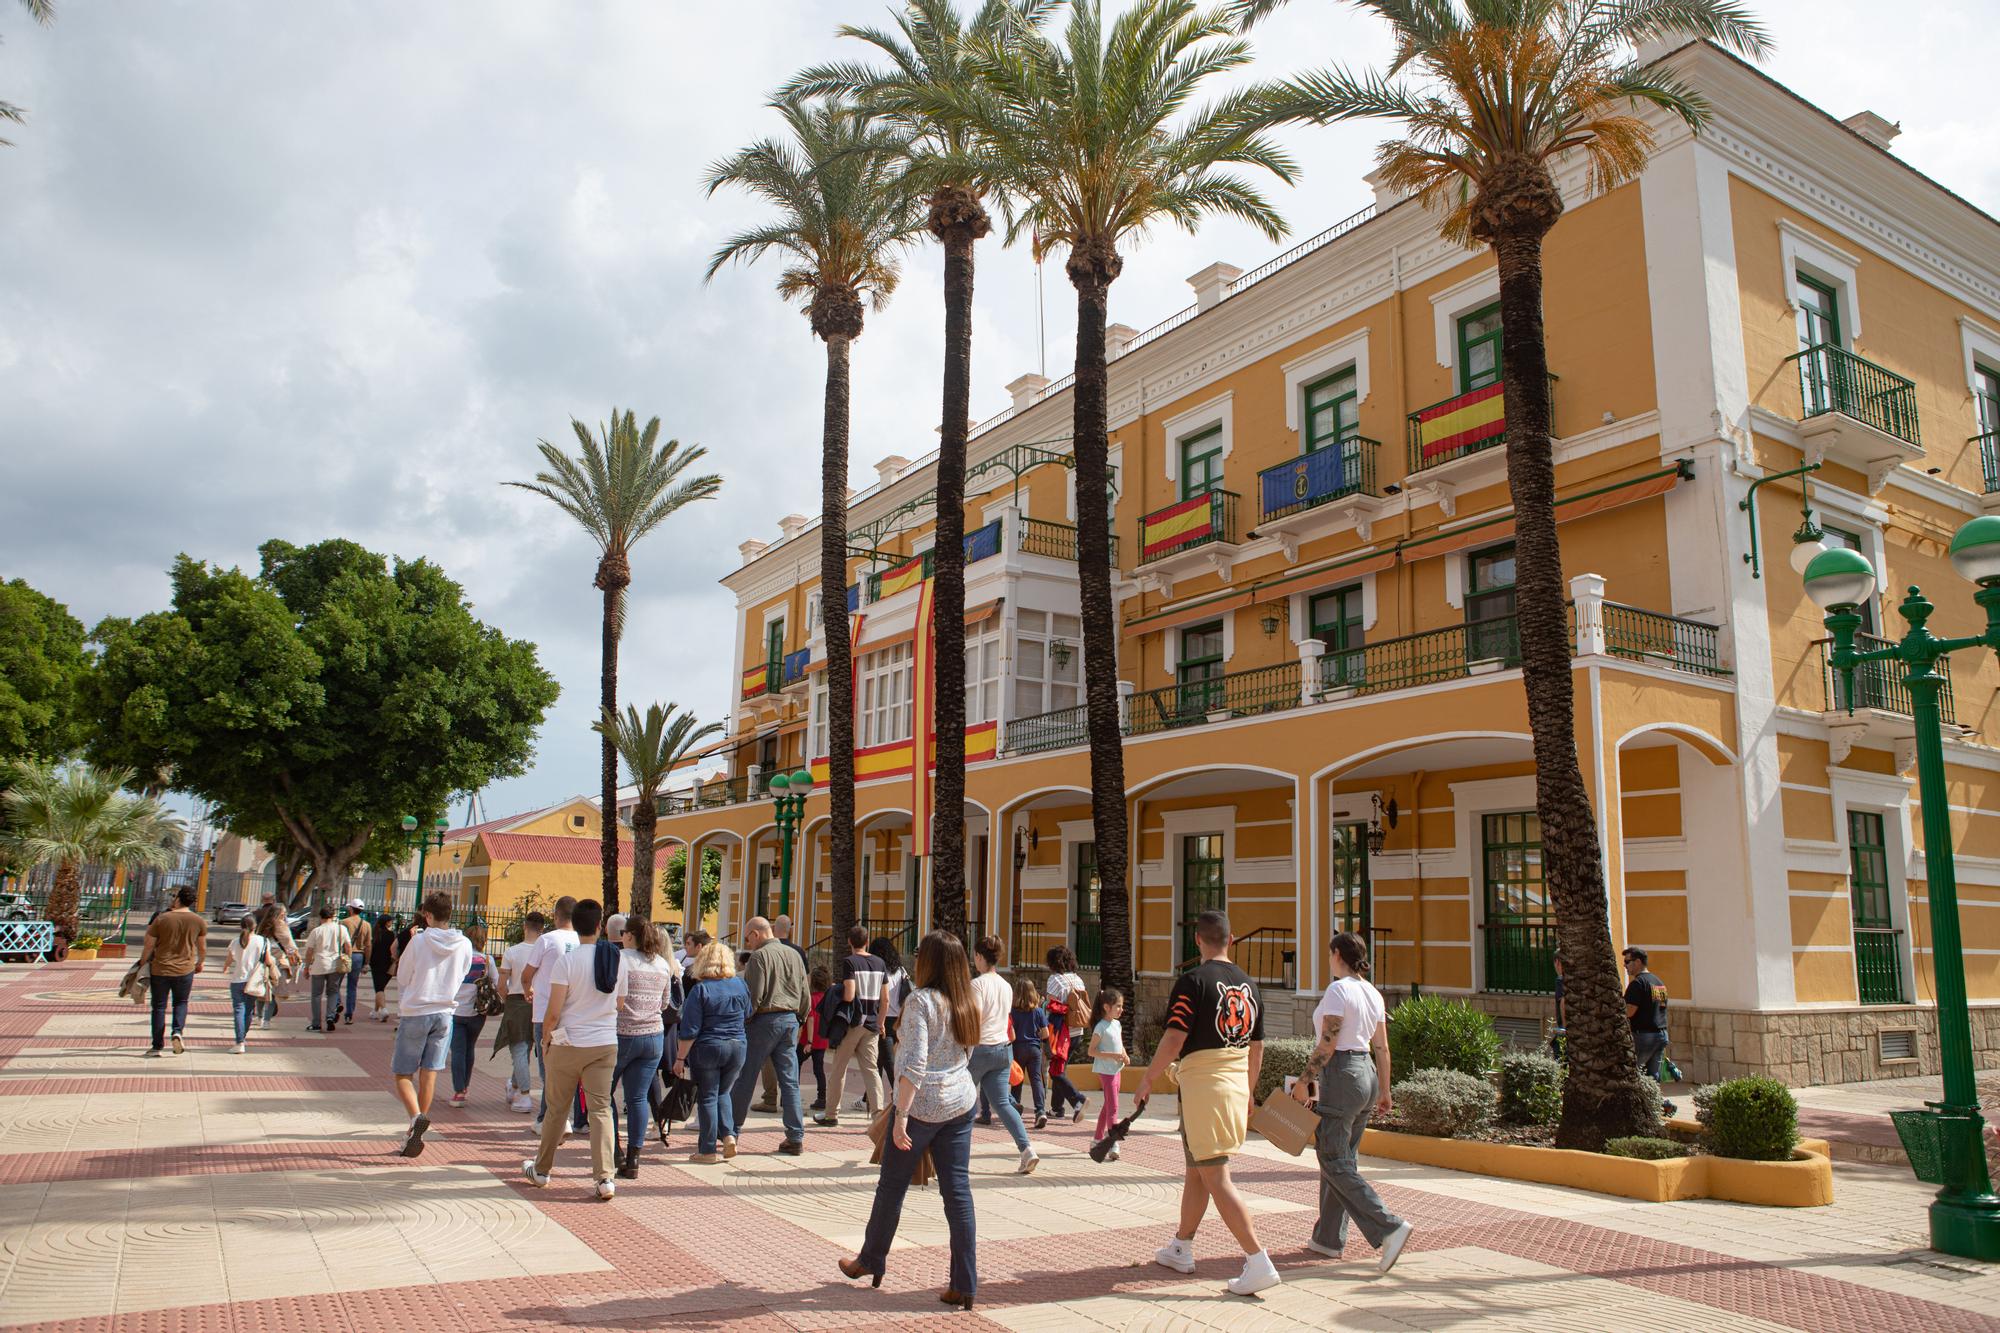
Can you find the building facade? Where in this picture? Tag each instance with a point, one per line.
(1325, 724)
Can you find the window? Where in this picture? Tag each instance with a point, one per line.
(882, 709)
(1841, 539)
(1202, 886)
(1986, 398)
(1201, 463)
(1490, 629)
(1085, 928)
(1878, 961)
(1200, 669)
(1520, 923)
(816, 747)
(1336, 622)
(812, 614)
(1348, 861)
(1333, 411)
(1479, 349)
(774, 642)
(1819, 313)
(982, 675)
(1048, 663)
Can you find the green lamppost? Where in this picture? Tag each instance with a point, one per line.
(423, 842)
(1965, 1217)
(788, 793)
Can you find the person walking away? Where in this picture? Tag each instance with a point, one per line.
(1068, 1030)
(858, 979)
(650, 972)
(176, 948)
(468, 1016)
(580, 1043)
(1108, 1059)
(381, 961)
(780, 998)
(253, 971)
(1350, 1066)
(932, 1113)
(428, 972)
(1646, 1009)
(993, 1059)
(781, 928)
(516, 1034)
(713, 1048)
(289, 961)
(1031, 1032)
(327, 953)
(555, 943)
(812, 1041)
(894, 989)
(359, 932)
(1215, 1030)
(269, 919)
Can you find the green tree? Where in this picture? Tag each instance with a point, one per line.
(1492, 92)
(43, 12)
(675, 889)
(928, 52)
(652, 747)
(1097, 138)
(841, 221)
(75, 815)
(41, 660)
(329, 696)
(620, 486)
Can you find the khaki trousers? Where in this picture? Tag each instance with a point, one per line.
(858, 1044)
(566, 1067)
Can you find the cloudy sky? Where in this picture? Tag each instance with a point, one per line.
(308, 270)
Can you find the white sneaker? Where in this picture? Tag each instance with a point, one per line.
(179, 1045)
(523, 1104)
(1176, 1254)
(607, 1190)
(1392, 1246)
(1111, 1154)
(1029, 1161)
(1258, 1273)
(1318, 1248)
(155, 1054)
(534, 1177)
(237, 1049)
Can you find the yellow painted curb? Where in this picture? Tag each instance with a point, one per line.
(1804, 1182)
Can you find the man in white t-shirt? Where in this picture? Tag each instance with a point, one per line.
(428, 974)
(326, 946)
(580, 1044)
(555, 942)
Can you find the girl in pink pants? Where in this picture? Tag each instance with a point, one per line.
(1108, 1058)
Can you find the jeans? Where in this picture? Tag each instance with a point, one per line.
(1346, 1096)
(773, 1040)
(523, 1055)
(950, 1145)
(1650, 1046)
(176, 989)
(990, 1067)
(576, 1118)
(357, 964)
(464, 1049)
(638, 1061)
(240, 1004)
(819, 1078)
(423, 1041)
(1029, 1057)
(715, 1066)
(326, 991)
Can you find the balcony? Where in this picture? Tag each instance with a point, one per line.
(792, 670)
(760, 680)
(980, 544)
(710, 796)
(1048, 731)
(1194, 536)
(1855, 413)
(1327, 485)
(1057, 541)
(1462, 425)
(1267, 689)
(1878, 686)
(1989, 465)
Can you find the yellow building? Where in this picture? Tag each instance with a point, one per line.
(495, 876)
(1324, 715)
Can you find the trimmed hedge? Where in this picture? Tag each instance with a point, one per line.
(1444, 1103)
(1530, 1088)
(1754, 1118)
(1430, 1032)
(1645, 1149)
(1284, 1057)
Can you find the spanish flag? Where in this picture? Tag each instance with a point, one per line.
(902, 576)
(923, 703)
(756, 680)
(1469, 419)
(1176, 526)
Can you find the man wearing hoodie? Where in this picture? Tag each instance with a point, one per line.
(429, 972)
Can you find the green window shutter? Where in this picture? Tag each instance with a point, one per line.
(1332, 411)
(1201, 463)
(1878, 961)
(1520, 924)
(1479, 349)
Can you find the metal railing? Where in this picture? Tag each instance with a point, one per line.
(1089, 946)
(95, 912)
(1878, 965)
(1269, 954)
(1672, 641)
(708, 796)
(1028, 942)
(1266, 689)
(1039, 536)
(1989, 458)
(1314, 479)
(1187, 525)
(1520, 957)
(1419, 460)
(1878, 684)
(900, 931)
(1833, 379)
(821, 952)
(1423, 658)
(1048, 731)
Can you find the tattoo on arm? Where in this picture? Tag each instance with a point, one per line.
(1329, 1032)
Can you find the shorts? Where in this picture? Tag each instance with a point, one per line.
(1189, 1155)
(423, 1041)
(379, 974)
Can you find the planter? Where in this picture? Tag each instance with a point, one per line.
(81, 953)
(1804, 1182)
(111, 951)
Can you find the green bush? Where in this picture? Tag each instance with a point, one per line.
(1704, 1105)
(1433, 1033)
(1646, 1149)
(1284, 1057)
(1656, 1106)
(1754, 1118)
(1530, 1088)
(1444, 1103)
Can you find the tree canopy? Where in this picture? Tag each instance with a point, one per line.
(42, 658)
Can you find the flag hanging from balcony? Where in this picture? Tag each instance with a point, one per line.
(923, 716)
(1469, 419)
(756, 680)
(906, 575)
(1176, 526)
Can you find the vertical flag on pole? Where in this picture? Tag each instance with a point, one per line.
(923, 717)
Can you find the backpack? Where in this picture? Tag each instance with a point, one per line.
(486, 997)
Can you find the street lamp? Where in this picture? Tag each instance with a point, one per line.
(1965, 1216)
(789, 794)
(422, 842)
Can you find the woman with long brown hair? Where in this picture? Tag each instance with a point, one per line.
(932, 1113)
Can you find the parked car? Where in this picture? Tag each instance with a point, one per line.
(18, 907)
(229, 914)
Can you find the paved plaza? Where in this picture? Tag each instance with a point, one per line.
(263, 1192)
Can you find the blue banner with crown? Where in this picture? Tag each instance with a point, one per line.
(1310, 479)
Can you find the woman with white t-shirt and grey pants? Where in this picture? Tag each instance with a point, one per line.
(1351, 1065)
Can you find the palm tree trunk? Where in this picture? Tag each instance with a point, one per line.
(839, 652)
(607, 699)
(645, 817)
(948, 908)
(1602, 1096)
(64, 897)
(1100, 625)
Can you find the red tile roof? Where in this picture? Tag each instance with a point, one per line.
(551, 849)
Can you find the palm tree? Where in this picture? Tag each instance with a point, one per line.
(1493, 93)
(652, 748)
(621, 486)
(929, 51)
(842, 221)
(43, 12)
(1096, 138)
(77, 815)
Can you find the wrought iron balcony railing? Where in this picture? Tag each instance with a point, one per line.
(1187, 524)
(1314, 479)
(1833, 379)
(1878, 685)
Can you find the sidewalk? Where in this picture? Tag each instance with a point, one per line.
(263, 1192)
(1854, 1117)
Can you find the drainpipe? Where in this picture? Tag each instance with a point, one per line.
(1417, 860)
